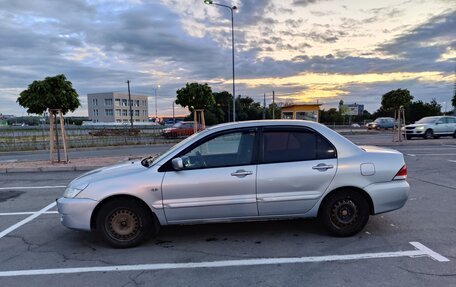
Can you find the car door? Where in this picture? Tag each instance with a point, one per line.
(295, 169)
(217, 181)
(451, 124)
(441, 126)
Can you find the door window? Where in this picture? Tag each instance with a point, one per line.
(229, 149)
(295, 145)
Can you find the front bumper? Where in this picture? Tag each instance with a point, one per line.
(75, 213)
(388, 196)
(413, 132)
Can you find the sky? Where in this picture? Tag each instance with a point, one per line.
(304, 50)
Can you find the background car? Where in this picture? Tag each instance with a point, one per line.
(381, 123)
(431, 127)
(178, 130)
(241, 171)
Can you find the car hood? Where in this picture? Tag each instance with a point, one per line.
(415, 125)
(108, 172)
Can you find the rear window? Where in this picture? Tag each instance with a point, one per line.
(295, 145)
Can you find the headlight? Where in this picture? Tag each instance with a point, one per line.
(72, 191)
(420, 128)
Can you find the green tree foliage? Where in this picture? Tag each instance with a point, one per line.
(394, 99)
(51, 93)
(224, 105)
(195, 96)
(453, 100)
(418, 110)
(248, 109)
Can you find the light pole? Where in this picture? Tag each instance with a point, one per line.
(232, 8)
(156, 109)
(129, 103)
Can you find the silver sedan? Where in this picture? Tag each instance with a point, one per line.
(241, 171)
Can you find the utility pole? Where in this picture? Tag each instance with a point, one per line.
(174, 119)
(273, 105)
(264, 106)
(129, 104)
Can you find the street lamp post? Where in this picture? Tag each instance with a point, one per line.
(156, 109)
(232, 8)
(129, 103)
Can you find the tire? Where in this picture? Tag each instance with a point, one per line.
(345, 213)
(408, 137)
(454, 134)
(125, 223)
(429, 134)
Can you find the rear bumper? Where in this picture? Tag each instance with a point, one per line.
(75, 213)
(388, 196)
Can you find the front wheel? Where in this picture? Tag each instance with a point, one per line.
(124, 223)
(429, 134)
(345, 213)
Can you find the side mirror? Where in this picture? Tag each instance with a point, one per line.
(178, 164)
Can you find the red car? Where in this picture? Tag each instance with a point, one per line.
(179, 129)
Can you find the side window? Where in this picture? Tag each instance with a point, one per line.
(228, 149)
(451, 120)
(295, 145)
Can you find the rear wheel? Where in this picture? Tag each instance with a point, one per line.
(345, 213)
(454, 134)
(125, 223)
(429, 134)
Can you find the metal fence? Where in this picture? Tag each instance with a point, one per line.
(37, 138)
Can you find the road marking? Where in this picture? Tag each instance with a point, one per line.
(32, 187)
(432, 154)
(420, 252)
(26, 220)
(410, 154)
(26, 213)
(434, 148)
(450, 160)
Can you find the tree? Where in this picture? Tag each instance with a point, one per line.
(453, 100)
(392, 100)
(224, 101)
(195, 96)
(52, 93)
(418, 110)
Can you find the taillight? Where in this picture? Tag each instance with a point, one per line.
(401, 174)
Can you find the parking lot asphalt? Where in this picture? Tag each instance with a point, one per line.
(41, 252)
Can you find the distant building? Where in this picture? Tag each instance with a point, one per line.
(310, 112)
(115, 107)
(352, 109)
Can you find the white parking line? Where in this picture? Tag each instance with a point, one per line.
(420, 252)
(26, 213)
(431, 154)
(26, 220)
(32, 187)
(450, 160)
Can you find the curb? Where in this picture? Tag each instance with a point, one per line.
(47, 169)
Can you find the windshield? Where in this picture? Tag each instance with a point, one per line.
(153, 159)
(427, 120)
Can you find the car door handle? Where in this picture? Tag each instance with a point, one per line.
(322, 167)
(241, 173)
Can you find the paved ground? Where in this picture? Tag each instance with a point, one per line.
(381, 253)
